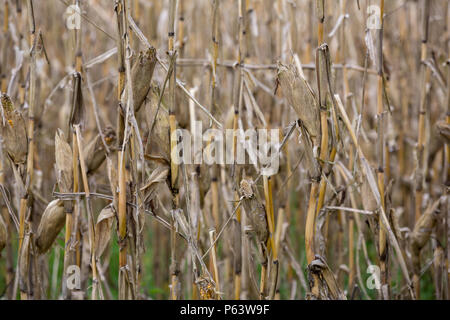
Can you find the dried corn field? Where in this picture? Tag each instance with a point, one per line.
(102, 103)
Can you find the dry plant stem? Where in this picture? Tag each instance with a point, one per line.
(271, 224)
(91, 222)
(242, 53)
(118, 7)
(382, 241)
(173, 140)
(68, 258)
(312, 204)
(24, 203)
(121, 123)
(215, 54)
(212, 238)
(420, 174)
(376, 194)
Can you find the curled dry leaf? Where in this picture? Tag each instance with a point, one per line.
(51, 223)
(103, 229)
(13, 131)
(301, 97)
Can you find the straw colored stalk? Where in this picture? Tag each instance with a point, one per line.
(382, 241)
(425, 78)
(174, 269)
(91, 223)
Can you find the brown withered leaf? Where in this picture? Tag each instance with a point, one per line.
(51, 224)
(63, 163)
(103, 229)
(13, 131)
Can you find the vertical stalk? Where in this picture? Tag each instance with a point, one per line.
(420, 174)
(174, 269)
(382, 240)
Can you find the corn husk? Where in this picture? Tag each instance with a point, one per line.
(103, 229)
(63, 157)
(328, 288)
(422, 233)
(95, 152)
(24, 265)
(158, 148)
(301, 97)
(51, 224)
(254, 210)
(444, 130)
(13, 131)
(141, 74)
